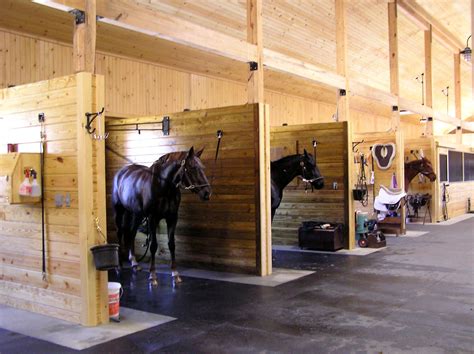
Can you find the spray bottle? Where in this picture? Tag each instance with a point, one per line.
(25, 186)
(35, 188)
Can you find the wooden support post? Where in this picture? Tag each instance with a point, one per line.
(393, 47)
(428, 79)
(92, 312)
(85, 38)
(254, 36)
(265, 188)
(343, 111)
(457, 95)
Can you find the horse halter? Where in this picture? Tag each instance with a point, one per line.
(182, 171)
(304, 179)
(421, 171)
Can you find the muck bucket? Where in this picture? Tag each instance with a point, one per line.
(106, 256)
(115, 293)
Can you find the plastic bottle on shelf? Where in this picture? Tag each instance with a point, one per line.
(25, 186)
(35, 187)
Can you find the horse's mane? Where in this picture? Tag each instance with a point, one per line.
(286, 159)
(414, 162)
(172, 156)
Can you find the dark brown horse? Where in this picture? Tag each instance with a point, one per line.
(284, 170)
(154, 193)
(415, 167)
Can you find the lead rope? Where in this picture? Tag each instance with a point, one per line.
(43, 234)
(219, 135)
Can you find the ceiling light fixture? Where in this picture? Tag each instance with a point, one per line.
(467, 52)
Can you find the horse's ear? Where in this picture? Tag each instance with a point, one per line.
(191, 152)
(306, 153)
(199, 153)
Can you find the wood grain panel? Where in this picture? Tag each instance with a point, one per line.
(221, 233)
(326, 205)
(20, 225)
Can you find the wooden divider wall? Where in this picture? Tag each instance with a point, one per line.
(428, 146)
(458, 192)
(226, 232)
(327, 204)
(73, 290)
(382, 177)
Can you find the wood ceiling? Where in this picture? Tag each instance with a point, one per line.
(301, 28)
(306, 30)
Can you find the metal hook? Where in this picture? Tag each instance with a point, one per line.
(90, 118)
(355, 144)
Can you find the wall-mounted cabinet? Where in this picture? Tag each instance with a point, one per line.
(12, 175)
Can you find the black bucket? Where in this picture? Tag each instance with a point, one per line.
(106, 256)
(359, 194)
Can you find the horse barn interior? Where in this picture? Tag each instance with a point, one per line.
(236, 176)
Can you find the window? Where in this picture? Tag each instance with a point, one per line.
(468, 167)
(443, 168)
(455, 166)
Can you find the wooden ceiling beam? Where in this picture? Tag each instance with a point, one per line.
(285, 64)
(423, 19)
(143, 19)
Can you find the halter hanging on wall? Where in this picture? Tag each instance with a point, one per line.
(165, 127)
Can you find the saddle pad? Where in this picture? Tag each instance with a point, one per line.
(384, 155)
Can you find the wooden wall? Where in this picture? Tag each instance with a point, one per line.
(139, 88)
(428, 146)
(458, 192)
(223, 233)
(321, 205)
(63, 294)
(382, 177)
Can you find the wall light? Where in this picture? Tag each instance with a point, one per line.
(467, 52)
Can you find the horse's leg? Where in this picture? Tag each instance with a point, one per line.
(171, 225)
(126, 232)
(119, 210)
(153, 247)
(131, 256)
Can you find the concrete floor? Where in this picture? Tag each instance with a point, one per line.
(417, 296)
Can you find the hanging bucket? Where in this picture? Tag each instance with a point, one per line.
(106, 256)
(115, 293)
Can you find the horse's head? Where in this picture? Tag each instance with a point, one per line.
(194, 178)
(310, 171)
(424, 167)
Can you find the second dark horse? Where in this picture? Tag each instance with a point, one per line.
(284, 170)
(154, 192)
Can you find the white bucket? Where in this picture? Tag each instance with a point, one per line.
(115, 293)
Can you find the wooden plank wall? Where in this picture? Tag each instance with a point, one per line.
(382, 177)
(427, 144)
(322, 205)
(222, 233)
(21, 283)
(458, 192)
(139, 88)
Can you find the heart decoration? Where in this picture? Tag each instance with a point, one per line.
(384, 155)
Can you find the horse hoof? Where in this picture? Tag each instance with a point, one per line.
(136, 268)
(154, 282)
(177, 279)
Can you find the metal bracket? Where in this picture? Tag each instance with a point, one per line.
(166, 126)
(430, 119)
(41, 118)
(394, 108)
(458, 127)
(79, 16)
(94, 115)
(342, 92)
(253, 65)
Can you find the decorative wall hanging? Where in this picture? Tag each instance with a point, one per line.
(383, 155)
